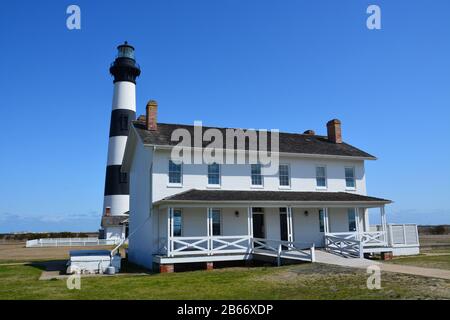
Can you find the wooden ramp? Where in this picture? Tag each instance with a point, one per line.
(330, 258)
(262, 254)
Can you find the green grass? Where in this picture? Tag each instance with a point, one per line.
(307, 281)
(438, 262)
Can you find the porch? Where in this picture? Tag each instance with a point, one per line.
(224, 225)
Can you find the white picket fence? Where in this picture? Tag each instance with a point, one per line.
(70, 242)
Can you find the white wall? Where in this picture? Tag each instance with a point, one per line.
(141, 232)
(307, 227)
(115, 232)
(237, 177)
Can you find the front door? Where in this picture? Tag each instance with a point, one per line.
(258, 226)
(283, 227)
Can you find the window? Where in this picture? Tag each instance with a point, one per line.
(283, 173)
(321, 221)
(256, 175)
(350, 178)
(321, 177)
(123, 122)
(351, 219)
(174, 172)
(214, 174)
(216, 222)
(177, 222)
(123, 177)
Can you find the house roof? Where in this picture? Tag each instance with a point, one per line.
(195, 195)
(111, 221)
(288, 142)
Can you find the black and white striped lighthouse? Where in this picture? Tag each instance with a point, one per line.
(125, 70)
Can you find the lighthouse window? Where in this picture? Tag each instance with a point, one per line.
(123, 177)
(123, 122)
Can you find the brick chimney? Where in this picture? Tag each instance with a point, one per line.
(151, 111)
(334, 131)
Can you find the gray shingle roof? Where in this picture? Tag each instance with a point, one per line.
(267, 196)
(110, 221)
(288, 142)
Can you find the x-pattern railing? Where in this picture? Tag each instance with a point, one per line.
(344, 246)
(179, 246)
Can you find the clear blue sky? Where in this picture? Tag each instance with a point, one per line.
(290, 65)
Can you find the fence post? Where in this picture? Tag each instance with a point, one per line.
(279, 255)
(313, 253)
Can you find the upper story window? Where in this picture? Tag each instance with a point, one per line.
(321, 177)
(216, 222)
(174, 172)
(256, 175)
(350, 178)
(284, 175)
(177, 222)
(214, 174)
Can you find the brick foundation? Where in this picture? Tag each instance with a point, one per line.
(387, 255)
(209, 265)
(166, 268)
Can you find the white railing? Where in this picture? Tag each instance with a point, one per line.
(284, 249)
(401, 235)
(373, 239)
(70, 242)
(179, 246)
(344, 245)
(183, 246)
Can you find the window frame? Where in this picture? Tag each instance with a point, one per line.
(321, 220)
(353, 212)
(181, 222)
(325, 176)
(354, 177)
(214, 185)
(175, 184)
(256, 186)
(288, 186)
(217, 210)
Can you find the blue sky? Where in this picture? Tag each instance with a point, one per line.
(290, 65)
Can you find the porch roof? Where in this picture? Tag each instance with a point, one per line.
(287, 197)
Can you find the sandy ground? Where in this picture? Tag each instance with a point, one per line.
(15, 252)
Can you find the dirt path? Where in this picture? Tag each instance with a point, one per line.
(328, 258)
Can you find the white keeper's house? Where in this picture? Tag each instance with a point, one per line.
(189, 213)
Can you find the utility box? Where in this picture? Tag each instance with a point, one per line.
(92, 261)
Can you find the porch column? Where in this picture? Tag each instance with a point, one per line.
(326, 223)
(169, 231)
(357, 225)
(209, 229)
(290, 228)
(383, 222)
(250, 226)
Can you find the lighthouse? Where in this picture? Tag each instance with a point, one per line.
(125, 70)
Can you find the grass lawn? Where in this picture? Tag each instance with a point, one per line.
(306, 281)
(438, 261)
